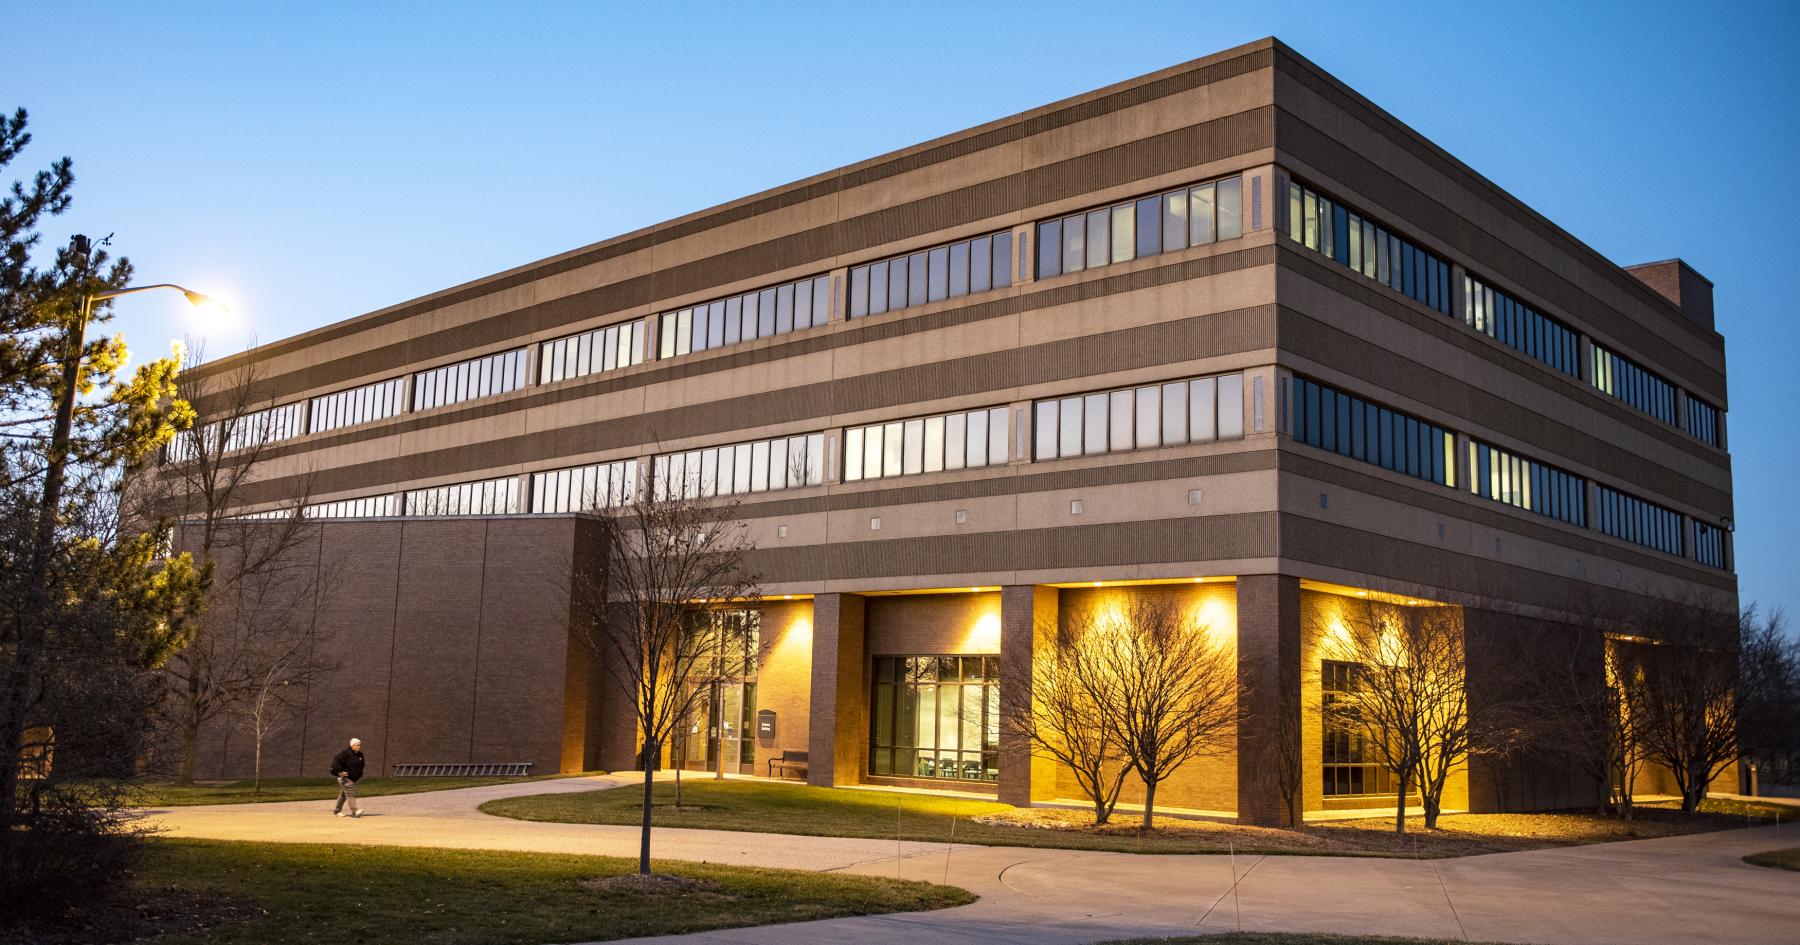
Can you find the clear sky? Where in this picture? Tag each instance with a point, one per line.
(313, 162)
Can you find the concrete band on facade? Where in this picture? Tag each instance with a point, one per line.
(457, 631)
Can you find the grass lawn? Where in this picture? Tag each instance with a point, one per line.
(278, 893)
(771, 807)
(1286, 938)
(164, 793)
(1788, 859)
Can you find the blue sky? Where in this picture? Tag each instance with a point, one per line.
(313, 163)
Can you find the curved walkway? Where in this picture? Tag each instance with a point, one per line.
(1691, 890)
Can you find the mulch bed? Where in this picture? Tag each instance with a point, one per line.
(137, 915)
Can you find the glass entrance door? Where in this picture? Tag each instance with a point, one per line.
(724, 722)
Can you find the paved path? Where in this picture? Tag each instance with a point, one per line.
(1690, 890)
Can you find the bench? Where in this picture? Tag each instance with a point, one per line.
(790, 758)
(514, 769)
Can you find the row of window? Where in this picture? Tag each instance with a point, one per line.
(745, 317)
(468, 380)
(1703, 420)
(1639, 521)
(788, 462)
(1634, 384)
(931, 275)
(1334, 230)
(966, 440)
(257, 427)
(591, 352)
(357, 405)
(1527, 484)
(935, 717)
(1198, 410)
(487, 497)
(1351, 426)
(1347, 764)
(1521, 327)
(374, 506)
(594, 486)
(1148, 226)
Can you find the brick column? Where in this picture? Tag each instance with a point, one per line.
(1027, 614)
(838, 725)
(1268, 626)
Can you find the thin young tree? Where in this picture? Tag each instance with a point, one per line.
(1578, 711)
(204, 483)
(1167, 689)
(285, 648)
(1065, 713)
(1769, 705)
(666, 558)
(1409, 697)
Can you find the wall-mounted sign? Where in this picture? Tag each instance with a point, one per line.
(765, 723)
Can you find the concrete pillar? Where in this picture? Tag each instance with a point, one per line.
(838, 722)
(1268, 626)
(1027, 616)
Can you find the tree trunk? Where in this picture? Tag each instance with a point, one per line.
(1432, 799)
(1149, 804)
(1400, 807)
(650, 753)
(256, 791)
(190, 744)
(680, 762)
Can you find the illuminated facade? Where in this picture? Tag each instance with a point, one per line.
(1226, 332)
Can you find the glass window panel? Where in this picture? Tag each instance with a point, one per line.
(914, 459)
(959, 270)
(1175, 221)
(955, 441)
(1174, 413)
(778, 464)
(1230, 208)
(917, 280)
(815, 458)
(822, 300)
(1003, 266)
(1094, 424)
(759, 466)
(1120, 421)
(934, 444)
(734, 320)
(873, 452)
(1074, 243)
(878, 288)
(981, 264)
(1149, 417)
(715, 325)
(784, 309)
(939, 268)
(1050, 254)
(1201, 229)
(859, 291)
(803, 303)
(765, 313)
(1149, 226)
(751, 316)
(1124, 233)
(853, 459)
(893, 449)
(1069, 433)
(1044, 428)
(997, 427)
(1099, 244)
(978, 439)
(1231, 406)
(744, 474)
(1203, 410)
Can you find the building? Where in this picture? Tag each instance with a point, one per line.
(1226, 332)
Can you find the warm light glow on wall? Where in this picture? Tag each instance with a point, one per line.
(984, 633)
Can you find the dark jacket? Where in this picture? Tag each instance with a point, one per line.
(349, 761)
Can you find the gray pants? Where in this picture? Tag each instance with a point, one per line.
(346, 792)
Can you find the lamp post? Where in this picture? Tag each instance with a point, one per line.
(60, 432)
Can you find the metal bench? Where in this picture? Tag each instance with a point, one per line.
(790, 758)
(515, 769)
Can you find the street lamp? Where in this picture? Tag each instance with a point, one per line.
(79, 248)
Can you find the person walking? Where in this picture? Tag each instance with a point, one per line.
(347, 767)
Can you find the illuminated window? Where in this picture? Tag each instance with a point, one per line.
(1346, 236)
(936, 717)
(1347, 770)
(1158, 223)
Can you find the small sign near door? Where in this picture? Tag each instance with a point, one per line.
(765, 723)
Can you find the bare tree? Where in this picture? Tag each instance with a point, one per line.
(1769, 700)
(204, 484)
(1681, 664)
(1579, 702)
(1065, 714)
(1409, 698)
(1167, 691)
(666, 559)
(282, 648)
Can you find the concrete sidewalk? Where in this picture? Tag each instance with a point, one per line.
(1690, 890)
